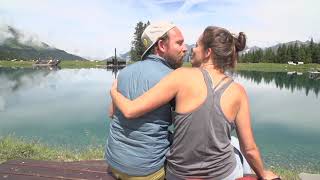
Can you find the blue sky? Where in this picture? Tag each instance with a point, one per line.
(94, 28)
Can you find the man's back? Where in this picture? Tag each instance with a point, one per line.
(138, 146)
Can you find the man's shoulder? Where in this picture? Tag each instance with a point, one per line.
(132, 66)
(145, 67)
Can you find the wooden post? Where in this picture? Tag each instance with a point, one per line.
(115, 63)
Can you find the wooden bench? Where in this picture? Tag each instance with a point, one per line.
(45, 170)
(307, 176)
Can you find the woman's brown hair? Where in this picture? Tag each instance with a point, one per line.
(224, 45)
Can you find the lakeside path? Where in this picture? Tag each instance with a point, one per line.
(266, 67)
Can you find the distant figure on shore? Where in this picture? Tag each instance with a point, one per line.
(209, 105)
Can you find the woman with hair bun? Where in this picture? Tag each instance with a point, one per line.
(209, 105)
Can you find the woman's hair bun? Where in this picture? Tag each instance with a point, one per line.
(240, 42)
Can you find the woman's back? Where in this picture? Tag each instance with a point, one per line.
(201, 146)
(193, 91)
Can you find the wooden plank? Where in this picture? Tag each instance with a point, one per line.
(248, 178)
(50, 172)
(47, 170)
(4, 176)
(31, 169)
(307, 176)
(78, 165)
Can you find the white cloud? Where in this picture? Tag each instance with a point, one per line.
(95, 28)
(281, 21)
(4, 34)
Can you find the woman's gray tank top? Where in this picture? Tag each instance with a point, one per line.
(201, 145)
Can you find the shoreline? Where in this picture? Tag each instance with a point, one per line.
(266, 67)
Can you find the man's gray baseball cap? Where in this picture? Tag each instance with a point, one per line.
(152, 34)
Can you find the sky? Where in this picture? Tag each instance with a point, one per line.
(92, 29)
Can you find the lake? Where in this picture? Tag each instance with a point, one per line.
(68, 108)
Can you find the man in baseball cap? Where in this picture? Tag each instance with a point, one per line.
(156, 36)
(136, 148)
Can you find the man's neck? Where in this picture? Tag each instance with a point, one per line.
(163, 60)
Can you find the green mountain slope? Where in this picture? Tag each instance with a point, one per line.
(14, 48)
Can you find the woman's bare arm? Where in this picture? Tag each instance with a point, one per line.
(160, 94)
(111, 109)
(246, 138)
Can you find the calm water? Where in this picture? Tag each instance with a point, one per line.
(69, 108)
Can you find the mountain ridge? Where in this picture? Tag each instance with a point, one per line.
(15, 46)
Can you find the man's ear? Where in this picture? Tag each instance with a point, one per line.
(162, 45)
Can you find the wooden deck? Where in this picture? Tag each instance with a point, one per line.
(48, 170)
(45, 170)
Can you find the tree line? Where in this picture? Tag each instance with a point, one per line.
(297, 52)
(306, 53)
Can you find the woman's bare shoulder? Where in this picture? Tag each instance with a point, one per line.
(185, 77)
(187, 69)
(186, 72)
(238, 87)
(237, 90)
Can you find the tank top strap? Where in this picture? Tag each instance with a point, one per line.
(207, 80)
(211, 80)
(223, 86)
(215, 87)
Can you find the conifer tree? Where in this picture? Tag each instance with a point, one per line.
(269, 56)
(313, 51)
(288, 54)
(137, 47)
(317, 53)
(295, 53)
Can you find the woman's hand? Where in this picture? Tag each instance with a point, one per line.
(269, 175)
(111, 110)
(114, 86)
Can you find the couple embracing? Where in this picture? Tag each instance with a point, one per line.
(203, 104)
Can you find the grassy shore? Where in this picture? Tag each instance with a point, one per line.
(267, 67)
(18, 148)
(64, 64)
(272, 67)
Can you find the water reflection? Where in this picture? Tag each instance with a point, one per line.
(115, 70)
(282, 99)
(292, 81)
(15, 79)
(51, 68)
(62, 107)
(285, 117)
(314, 75)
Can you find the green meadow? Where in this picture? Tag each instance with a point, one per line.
(266, 67)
